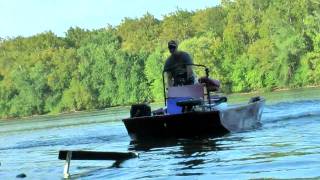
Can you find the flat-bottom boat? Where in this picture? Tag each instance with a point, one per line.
(187, 115)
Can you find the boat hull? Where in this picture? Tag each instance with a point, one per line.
(196, 124)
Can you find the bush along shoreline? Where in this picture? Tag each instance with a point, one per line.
(272, 45)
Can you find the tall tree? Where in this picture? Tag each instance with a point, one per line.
(177, 26)
(210, 20)
(139, 34)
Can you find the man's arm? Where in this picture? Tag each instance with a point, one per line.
(169, 78)
(190, 73)
(168, 74)
(188, 60)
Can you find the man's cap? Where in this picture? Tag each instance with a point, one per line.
(172, 43)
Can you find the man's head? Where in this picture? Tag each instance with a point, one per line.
(172, 46)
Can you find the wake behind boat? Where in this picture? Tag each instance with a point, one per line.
(191, 111)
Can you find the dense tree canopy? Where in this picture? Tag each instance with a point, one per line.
(248, 44)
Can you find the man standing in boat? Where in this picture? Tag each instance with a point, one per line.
(178, 70)
(178, 67)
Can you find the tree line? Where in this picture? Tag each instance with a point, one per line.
(249, 45)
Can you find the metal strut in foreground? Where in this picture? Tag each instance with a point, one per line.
(69, 155)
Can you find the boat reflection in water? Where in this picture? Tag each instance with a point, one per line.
(182, 157)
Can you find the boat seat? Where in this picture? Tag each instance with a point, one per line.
(187, 105)
(182, 93)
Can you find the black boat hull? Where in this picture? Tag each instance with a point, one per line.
(196, 124)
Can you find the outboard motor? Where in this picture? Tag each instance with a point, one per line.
(139, 110)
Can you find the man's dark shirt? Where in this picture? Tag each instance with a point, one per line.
(176, 65)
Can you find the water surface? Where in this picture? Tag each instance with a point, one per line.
(286, 146)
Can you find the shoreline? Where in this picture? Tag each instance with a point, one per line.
(71, 113)
(276, 90)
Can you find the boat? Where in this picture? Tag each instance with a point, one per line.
(191, 111)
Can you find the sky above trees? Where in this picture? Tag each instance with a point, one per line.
(29, 17)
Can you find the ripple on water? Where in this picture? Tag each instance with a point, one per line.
(286, 146)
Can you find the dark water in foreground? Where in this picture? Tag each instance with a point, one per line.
(286, 146)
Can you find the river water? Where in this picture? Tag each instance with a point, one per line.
(286, 146)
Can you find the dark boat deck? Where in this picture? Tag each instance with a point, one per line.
(198, 123)
(186, 125)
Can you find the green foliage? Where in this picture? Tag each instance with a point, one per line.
(138, 87)
(75, 36)
(205, 49)
(249, 45)
(177, 26)
(153, 72)
(309, 71)
(139, 34)
(289, 48)
(76, 97)
(209, 20)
